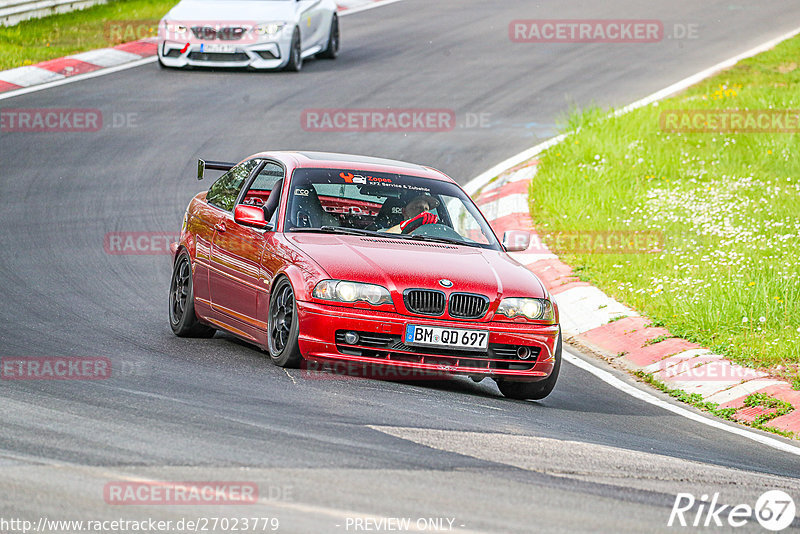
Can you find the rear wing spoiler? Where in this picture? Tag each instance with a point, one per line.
(202, 165)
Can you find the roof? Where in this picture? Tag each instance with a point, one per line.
(311, 159)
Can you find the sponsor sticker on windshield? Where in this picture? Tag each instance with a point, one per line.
(350, 178)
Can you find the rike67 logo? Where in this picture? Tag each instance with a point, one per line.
(774, 510)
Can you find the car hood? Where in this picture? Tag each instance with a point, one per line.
(398, 264)
(208, 11)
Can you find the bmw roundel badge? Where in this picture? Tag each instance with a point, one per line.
(444, 282)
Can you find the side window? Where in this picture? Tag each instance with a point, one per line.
(224, 191)
(262, 186)
(271, 173)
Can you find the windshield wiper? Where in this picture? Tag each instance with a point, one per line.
(372, 233)
(421, 237)
(341, 230)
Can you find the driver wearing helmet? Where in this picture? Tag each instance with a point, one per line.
(415, 214)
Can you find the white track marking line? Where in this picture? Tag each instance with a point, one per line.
(79, 77)
(483, 178)
(144, 61)
(649, 398)
(378, 3)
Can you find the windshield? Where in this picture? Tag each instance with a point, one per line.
(353, 201)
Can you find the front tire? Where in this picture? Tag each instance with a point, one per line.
(182, 318)
(283, 326)
(295, 63)
(533, 390)
(333, 41)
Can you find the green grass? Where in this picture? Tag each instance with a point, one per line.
(779, 407)
(695, 399)
(728, 206)
(99, 26)
(756, 399)
(655, 340)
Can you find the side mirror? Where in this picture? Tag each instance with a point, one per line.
(516, 240)
(201, 169)
(249, 216)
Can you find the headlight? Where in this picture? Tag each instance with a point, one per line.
(534, 309)
(269, 29)
(341, 291)
(176, 29)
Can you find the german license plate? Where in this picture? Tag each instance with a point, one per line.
(219, 48)
(453, 338)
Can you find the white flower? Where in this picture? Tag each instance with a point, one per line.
(762, 319)
(745, 319)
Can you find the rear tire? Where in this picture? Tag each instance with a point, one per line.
(333, 41)
(182, 318)
(295, 63)
(283, 326)
(533, 390)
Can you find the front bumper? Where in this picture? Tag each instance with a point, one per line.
(381, 334)
(272, 54)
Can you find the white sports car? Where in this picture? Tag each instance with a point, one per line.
(259, 34)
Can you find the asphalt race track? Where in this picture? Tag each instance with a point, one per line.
(324, 450)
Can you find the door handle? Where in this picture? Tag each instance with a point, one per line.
(220, 227)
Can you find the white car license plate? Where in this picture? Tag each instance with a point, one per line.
(454, 338)
(219, 48)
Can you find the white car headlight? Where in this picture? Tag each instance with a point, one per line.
(342, 291)
(534, 309)
(176, 29)
(270, 30)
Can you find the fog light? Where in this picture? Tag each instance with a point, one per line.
(351, 338)
(523, 353)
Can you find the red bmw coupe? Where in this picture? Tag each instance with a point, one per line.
(331, 257)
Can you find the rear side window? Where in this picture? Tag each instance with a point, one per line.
(224, 191)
